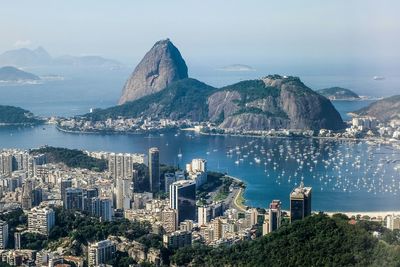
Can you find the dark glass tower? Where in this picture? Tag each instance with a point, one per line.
(154, 169)
(300, 203)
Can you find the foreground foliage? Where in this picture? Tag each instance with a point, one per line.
(315, 241)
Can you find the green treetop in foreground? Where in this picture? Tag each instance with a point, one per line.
(316, 241)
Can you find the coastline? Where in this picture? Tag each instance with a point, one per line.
(226, 134)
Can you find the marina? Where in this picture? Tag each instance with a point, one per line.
(346, 175)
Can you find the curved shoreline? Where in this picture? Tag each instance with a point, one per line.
(228, 135)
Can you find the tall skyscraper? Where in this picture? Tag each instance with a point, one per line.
(26, 200)
(100, 252)
(300, 202)
(73, 199)
(123, 193)
(41, 220)
(182, 197)
(154, 169)
(3, 234)
(274, 215)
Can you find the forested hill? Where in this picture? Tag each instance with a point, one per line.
(71, 157)
(16, 115)
(316, 241)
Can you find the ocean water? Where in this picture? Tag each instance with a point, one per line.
(345, 176)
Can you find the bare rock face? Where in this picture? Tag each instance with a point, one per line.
(274, 102)
(222, 104)
(161, 66)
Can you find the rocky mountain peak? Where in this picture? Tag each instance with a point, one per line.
(161, 66)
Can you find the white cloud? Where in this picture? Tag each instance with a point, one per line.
(22, 43)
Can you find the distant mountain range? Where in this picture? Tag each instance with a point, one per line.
(159, 87)
(25, 57)
(11, 74)
(338, 93)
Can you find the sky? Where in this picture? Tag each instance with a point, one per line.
(211, 32)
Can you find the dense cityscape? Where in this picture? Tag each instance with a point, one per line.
(177, 208)
(199, 133)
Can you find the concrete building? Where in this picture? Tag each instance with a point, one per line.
(154, 169)
(274, 215)
(393, 222)
(169, 220)
(101, 208)
(100, 252)
(3, 234)
(73, 199)
(300, 202)
(177, 239)
(182, 198)
(41, 220)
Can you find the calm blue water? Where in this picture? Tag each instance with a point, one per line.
(345, 176)
(327, 166)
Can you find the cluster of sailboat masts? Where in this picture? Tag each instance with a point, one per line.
(331, 165)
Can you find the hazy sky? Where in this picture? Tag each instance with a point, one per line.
(210, 31)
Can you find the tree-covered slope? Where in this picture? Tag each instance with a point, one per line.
(184, 99)
(16, 115)
(274, 102)
(71, 157)
(316, 241)
(338, 93)
(384, 110)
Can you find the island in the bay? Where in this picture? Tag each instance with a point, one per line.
(10, 115)
(236, 68)
(339, 93)
(9, 74)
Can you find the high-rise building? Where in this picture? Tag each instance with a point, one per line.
(274, 215)
(73, 199)
(197, 171)
(6, 166)
(177, 239)
(204, 215)
(17, 240)
(26, 199)
(182, 198)
(64, 184)
(123, 193)
(121, 165)
(100, 252)
(154, 169)
(37, 196)
(300, 202)
(169, 178)
(3, 234)
(101, 208)
(169, 220)
(41, 220)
